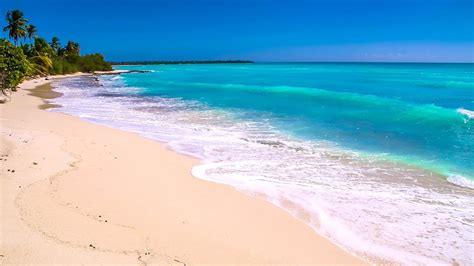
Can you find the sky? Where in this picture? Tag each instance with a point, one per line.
(260, 30)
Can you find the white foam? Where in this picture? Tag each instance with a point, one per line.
(370, 207)
(466, 112)
(461, 181)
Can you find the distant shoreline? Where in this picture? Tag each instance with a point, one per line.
(181, 62)
(133, 63)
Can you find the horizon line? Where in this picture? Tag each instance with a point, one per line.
(300, 62)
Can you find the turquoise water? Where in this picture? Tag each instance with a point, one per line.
(376, 157)
(406, 110)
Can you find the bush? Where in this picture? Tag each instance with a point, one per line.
(62, 66)
(73, 64)
(93, 62)
(57, 67)
(13, 65)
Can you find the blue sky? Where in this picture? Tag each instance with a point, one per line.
(261, 30)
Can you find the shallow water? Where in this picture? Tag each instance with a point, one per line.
(367, 154)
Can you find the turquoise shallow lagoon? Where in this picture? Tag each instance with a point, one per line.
(377, 157)
(407, 110)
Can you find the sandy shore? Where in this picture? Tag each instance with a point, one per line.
(76, 192)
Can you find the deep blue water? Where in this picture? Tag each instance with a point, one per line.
(376, 157)
(415, 113)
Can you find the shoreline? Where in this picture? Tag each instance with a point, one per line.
(79, 195)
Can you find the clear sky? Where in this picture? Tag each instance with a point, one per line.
(260, 30)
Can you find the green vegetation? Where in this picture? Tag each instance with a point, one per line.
(181, 62)
(17, 25)
(13, 66)
(30, 55)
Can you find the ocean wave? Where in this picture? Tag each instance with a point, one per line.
(461, 181)
(342, 195)
(450, 85)
(466, 112)
(407, 111)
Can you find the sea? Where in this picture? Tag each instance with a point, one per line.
(376, 157)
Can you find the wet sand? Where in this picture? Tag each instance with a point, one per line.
(77, 192)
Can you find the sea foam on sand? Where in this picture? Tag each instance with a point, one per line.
(376, 203)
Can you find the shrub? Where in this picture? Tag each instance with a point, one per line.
(73, 63)
(93, 62)
(62, 66)
(13, 65)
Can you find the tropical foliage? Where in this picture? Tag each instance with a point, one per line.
(31, 55)
(17, 25)
(13, 65)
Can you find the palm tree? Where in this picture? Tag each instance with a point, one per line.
(40, 57)
(40, 63)
(72, 48)
(16, 25)
(31, 31)
(56, 45)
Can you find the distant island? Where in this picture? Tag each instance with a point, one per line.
(181, 62)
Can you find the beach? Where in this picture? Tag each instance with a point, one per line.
(78, 192)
